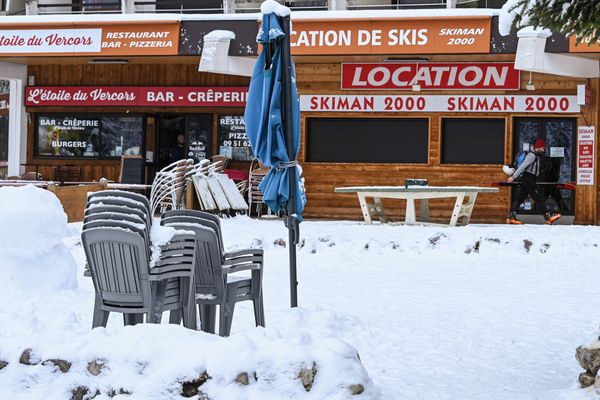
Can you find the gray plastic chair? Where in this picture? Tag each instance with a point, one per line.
(124, 283)
(214, 284)
(124, 194)
(101, 201)
(117, 209)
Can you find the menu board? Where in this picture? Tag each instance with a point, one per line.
(233, 142)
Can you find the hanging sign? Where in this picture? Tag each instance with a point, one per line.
(96, 40)
(432, 35)
(434, 103)
(402, 76)
(135, 96)
(586, 136)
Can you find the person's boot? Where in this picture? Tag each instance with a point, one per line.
(512, 219)
(551, 218)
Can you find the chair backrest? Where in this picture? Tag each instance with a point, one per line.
(118, 262)
(123, 225)
(125, 194)
(99, 200)
(209, 279)
(32, 176)
(96, 209)
(67, 173)
(187, 219)
(118, 217)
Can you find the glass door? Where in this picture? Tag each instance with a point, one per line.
(558, 161)
(183, 136)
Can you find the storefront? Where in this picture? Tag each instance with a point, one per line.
(383, 99)
(437, 99)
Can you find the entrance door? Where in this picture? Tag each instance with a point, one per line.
(558, 162)
(183, 136)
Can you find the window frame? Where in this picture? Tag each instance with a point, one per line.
(452, 117)
(305, 144)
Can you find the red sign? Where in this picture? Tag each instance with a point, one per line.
(402, 76)
(135, 96)
(439, 103)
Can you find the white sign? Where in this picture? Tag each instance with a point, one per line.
(557, 152)
(51, 41)
(441, 103)
(586, 137)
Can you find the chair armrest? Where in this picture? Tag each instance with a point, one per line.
(243, 252)
(169, 271)
(240, 267)
(250, 259)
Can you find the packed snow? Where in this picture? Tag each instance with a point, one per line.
(476, 312)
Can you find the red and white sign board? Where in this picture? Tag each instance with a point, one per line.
(586, 137)
(135, 96)
(430, 76)
(435, 103)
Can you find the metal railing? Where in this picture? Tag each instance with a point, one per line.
(237, 6)
(81, 7)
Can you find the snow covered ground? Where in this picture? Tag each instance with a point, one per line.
(478, 312)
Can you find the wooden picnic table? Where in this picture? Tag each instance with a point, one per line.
(461, 211)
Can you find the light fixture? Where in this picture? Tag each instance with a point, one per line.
(416, 87)
(108, 61)
(530, 86)
(31, 80)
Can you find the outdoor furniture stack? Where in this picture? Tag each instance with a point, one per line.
(216, 192)
(257, 173)
(214, 282)
(116, 241)
(192, 269)
(169, 185)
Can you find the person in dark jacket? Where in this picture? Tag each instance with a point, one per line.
(526, 175)
(177, 152)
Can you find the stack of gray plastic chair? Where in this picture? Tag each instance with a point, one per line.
(118, 259)
(214, 284)
(170, 288)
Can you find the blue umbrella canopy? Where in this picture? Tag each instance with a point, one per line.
(264, 117)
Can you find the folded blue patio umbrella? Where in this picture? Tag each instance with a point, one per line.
(272, 119)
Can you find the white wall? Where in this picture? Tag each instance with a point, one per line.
(17, 118)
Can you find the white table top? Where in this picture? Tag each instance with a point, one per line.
(415, 189)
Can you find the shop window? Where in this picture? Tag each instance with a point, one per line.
(473, 140)
(94, 136)
(233, 142)
(368, 140)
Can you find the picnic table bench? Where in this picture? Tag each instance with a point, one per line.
(461, 211)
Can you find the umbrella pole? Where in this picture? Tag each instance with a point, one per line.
(291, 219)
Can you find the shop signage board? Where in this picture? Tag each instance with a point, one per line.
(440, 103)
(586, 137)
(95, 40)
(585, 46)
(135, 96)
(233, 141)
(430, 76)
(442, 35)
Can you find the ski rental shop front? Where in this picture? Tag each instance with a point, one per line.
(434, 94)
(104, 86)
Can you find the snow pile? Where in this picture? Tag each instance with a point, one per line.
(153, 361)
(33, 257)
(219, 35)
